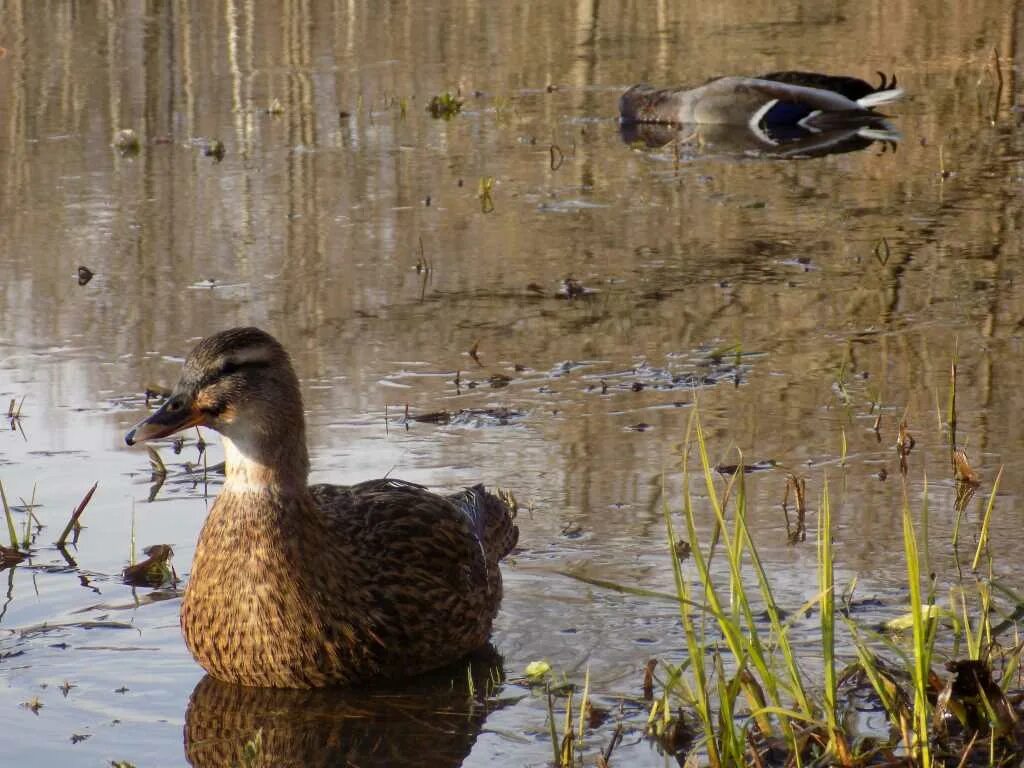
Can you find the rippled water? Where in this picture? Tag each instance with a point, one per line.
(349, 222)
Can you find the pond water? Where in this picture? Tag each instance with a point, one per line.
(382, 246)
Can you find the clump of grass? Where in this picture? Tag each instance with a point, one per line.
(444, 106)
(748, 694)
(566, 730)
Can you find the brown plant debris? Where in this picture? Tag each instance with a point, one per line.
(126, 141)
(215, 148)
(10, 556)
(571, 288)
(974, 699)
(498, 416)
(154, 570)
(904, 445)
(444, 106)
(796, 531)
(33, 706)
(648, 689)
(962, 468)
(536, 288)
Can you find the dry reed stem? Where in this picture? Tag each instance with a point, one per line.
(76, 514)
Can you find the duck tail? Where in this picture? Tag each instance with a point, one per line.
(878, 98)
(494, 515)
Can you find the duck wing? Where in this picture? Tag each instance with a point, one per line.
(430, 565)
(851, 87)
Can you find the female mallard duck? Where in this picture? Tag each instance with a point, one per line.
(300, 586)
(777, 100)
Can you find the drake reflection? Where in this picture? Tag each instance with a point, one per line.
(744, 141)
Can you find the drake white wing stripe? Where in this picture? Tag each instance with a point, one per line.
(757, 117)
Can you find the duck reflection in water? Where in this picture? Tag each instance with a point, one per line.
(433, 720)
(742, 141)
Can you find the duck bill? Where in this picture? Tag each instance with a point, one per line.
(163, 422)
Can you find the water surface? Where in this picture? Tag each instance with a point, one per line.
(347, 221)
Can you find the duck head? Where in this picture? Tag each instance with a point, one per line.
(241, 383)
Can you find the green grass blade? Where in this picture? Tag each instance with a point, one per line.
(921, 655)
(826, 585)
(10, 518)
(983, 536)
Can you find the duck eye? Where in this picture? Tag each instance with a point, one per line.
(228, 368)
(174, 405)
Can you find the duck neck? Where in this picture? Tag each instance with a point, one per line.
(256, 463)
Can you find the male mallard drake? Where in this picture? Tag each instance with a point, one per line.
(299, 586)
(777, 100)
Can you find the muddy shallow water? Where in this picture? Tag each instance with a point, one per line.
(350, 223)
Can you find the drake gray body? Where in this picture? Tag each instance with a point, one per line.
(806, 99)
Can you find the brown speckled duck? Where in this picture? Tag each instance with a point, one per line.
(300, 586)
